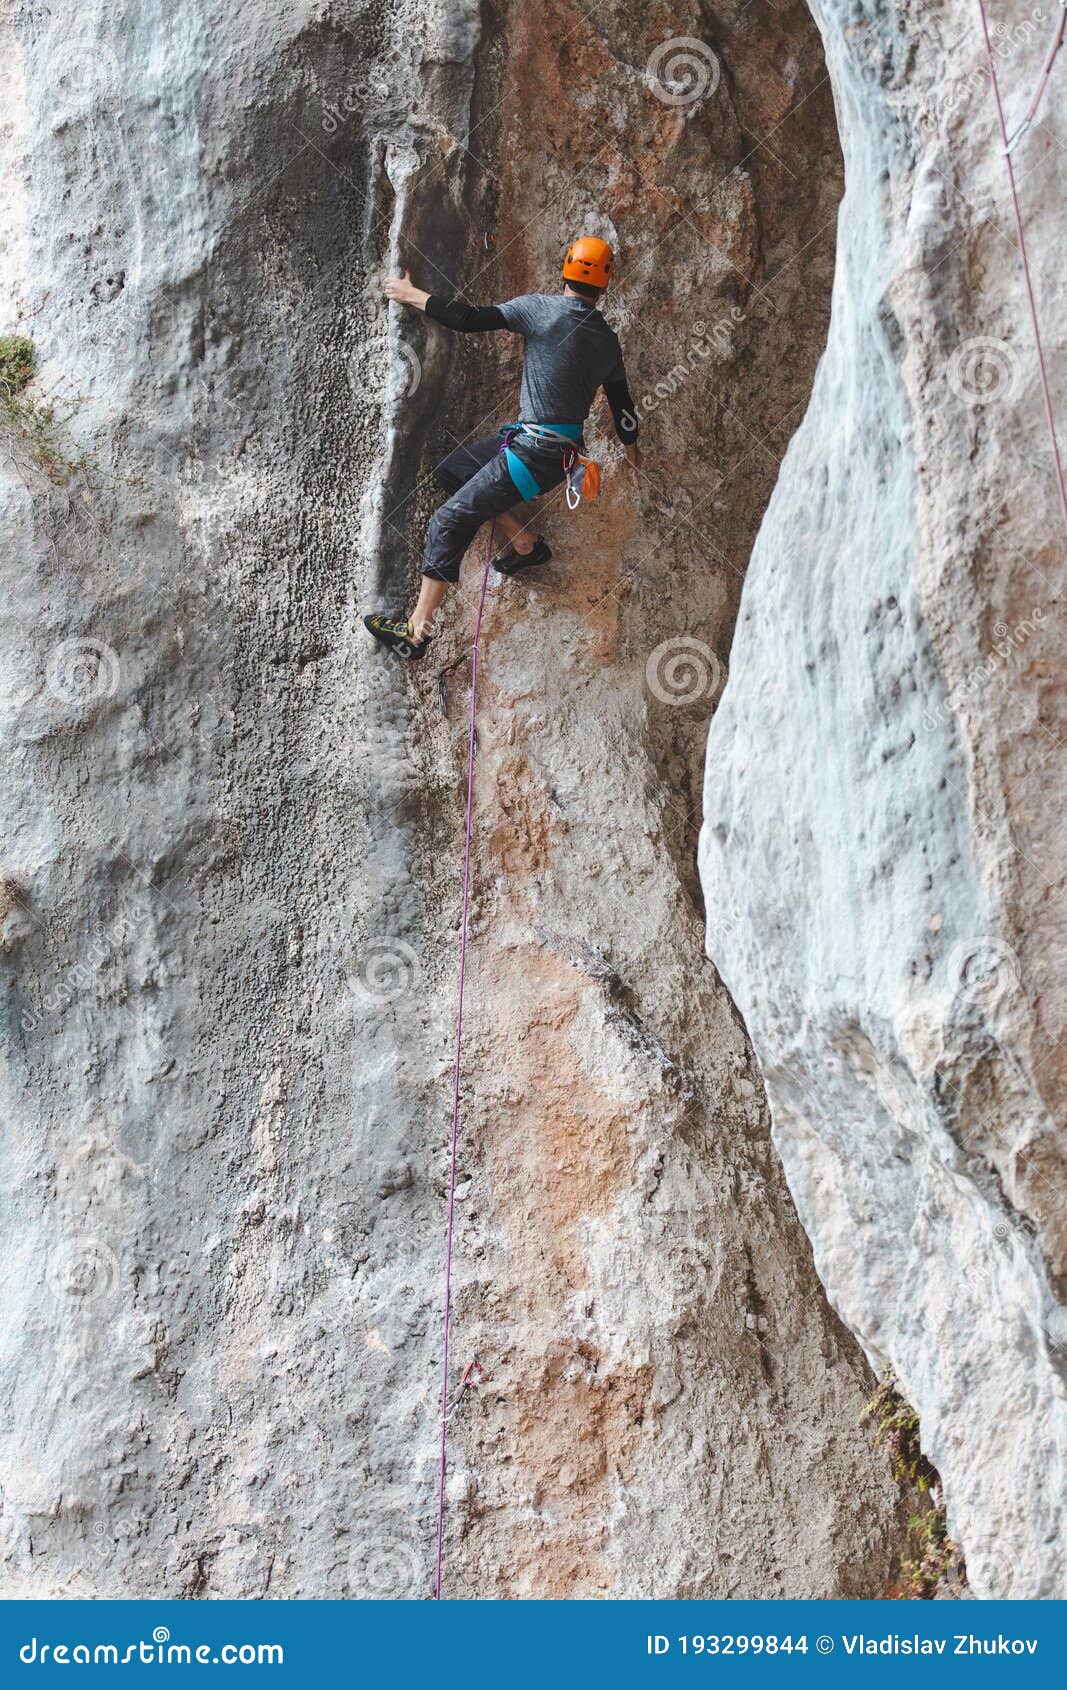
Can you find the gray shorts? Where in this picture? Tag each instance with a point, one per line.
(480, 484)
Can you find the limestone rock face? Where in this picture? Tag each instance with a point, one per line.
(882, 850)
(233, 843)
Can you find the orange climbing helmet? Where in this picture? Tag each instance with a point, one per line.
(589, 260)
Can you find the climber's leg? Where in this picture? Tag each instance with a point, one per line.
(431, 597)
(516, 531)
(513, 562)
(396, 636)
(493, 492)
(482, 490)
(466, 461)
(411, 637)
(485, 496)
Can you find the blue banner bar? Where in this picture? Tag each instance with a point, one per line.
(543, 1644)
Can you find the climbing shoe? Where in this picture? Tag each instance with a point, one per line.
(397, 636)
(511, 562)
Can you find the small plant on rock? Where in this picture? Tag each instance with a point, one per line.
(18, 365)
(30, 421)
(936, 1558)
(936, 1555)
(897, 1432)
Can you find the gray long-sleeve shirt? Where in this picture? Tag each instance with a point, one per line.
(570, 353)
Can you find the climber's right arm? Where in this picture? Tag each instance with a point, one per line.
(468, 319)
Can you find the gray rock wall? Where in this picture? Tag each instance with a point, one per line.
(882, 852)
(232, 843)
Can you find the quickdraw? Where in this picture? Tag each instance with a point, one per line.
(1057, 42)
(583, 480)
(465, 1383)
(445, 674)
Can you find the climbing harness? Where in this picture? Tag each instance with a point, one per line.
(1057, 42)
(445, 1411)
(583, 474)
(1043, 372)
(522, 476)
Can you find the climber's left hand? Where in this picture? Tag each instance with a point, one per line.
(404, 292)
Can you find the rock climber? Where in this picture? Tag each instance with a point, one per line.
(570, 352)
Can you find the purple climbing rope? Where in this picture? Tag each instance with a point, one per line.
(459, 1051)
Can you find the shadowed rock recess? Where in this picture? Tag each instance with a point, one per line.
(883, 845)
(232, 853)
